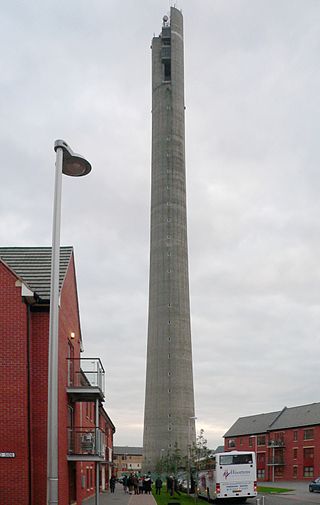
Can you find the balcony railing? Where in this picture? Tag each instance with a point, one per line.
(86, 442)
(86, 373)
(276, 462)
(276, 443)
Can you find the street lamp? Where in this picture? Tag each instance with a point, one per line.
(72, 164)
(192, 418)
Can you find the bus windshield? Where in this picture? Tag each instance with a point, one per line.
(235, 459)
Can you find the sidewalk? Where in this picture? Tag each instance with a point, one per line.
(121, 498)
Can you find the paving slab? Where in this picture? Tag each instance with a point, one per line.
(119, 497)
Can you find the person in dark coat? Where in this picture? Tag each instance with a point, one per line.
(170, 485)
(125, 484)
(158, 484)
(112, 483)
(147, 484)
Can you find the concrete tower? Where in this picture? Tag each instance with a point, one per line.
(169, 400)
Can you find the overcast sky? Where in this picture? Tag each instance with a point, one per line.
(81, 71)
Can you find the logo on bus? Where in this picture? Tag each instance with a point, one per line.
(235, 472)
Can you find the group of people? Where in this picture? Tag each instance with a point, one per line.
(137, 484)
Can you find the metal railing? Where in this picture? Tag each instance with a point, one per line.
(86, 372)
(276, 461)
(86, 442)
(276, 443)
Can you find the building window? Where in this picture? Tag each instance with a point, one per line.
(261, 460)
(308, 457)
(308, 434)
(241, 442)
(278, 471)
(295, 472)
(167, 71)
(260, 474)
(250, 441)
(231, 443)
(261, 440)
(308, 471)
(295, 453)
(295, 436)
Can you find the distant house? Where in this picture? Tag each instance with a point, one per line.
(24, 329)
(127, 459)
(287, 442)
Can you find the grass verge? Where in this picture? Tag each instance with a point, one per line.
(164, 498)
(273, 490)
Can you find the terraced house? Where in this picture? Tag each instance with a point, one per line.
(84, 427)
(287, 442)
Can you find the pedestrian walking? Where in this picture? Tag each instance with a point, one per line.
(170, 485)
(130, 483)
(158, 484)
(140, 484)
(112, 483)
(147, 484)
(125, 484)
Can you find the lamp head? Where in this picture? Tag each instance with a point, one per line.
(73, 164)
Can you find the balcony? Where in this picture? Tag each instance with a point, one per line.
(86, 380)
(276, 443)
(276, 462)
(86, 444)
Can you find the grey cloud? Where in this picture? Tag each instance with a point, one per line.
(82, 72)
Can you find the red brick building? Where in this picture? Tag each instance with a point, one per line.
(287, 442)
(127, 459)
(85, 429)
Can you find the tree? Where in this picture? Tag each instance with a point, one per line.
(199, 455)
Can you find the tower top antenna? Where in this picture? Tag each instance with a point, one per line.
(165, 20)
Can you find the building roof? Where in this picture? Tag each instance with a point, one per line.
(294, 417)
(251, 425)
(129, 451)
(220, 448)
(288, 417)
(33, 266)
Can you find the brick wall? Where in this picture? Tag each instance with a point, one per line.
(23, 479)
(13, 387)
(293, 456)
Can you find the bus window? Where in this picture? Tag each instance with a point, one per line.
(236, 459)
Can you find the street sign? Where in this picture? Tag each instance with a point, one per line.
(7, 454)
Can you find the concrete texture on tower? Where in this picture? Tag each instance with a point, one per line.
(169, 400)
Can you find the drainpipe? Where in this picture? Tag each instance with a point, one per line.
(98, 449)
(29, 404)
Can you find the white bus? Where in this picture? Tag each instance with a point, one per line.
(228, 475)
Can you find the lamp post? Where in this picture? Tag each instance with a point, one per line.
(192, 418)
(72, 164)
(161, 461)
